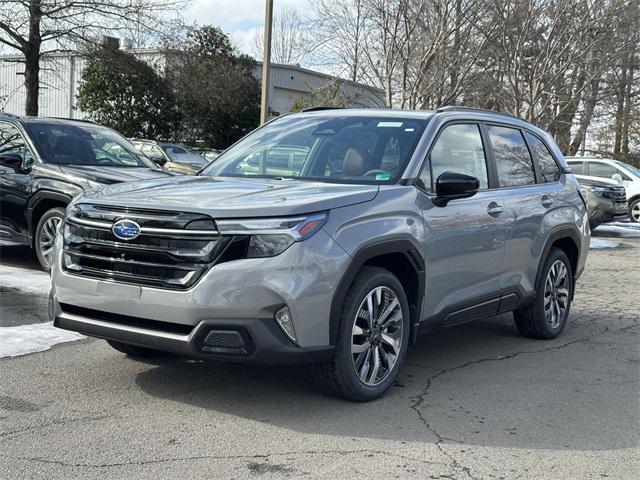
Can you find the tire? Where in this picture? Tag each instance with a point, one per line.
(376, 344)
(136, 352)
(534, 321)
(44, 237)
(634, 210)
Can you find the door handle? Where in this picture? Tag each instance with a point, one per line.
(547, 201)
(494, 209)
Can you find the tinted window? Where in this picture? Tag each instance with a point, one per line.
(576, 167)
(548, 166)
(458, 149)
(350, 148)
(72, 144)
(603, 170)
(513, 160)
(11, 141)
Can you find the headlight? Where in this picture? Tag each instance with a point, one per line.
(272, 236)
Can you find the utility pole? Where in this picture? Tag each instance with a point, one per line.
(266, 62)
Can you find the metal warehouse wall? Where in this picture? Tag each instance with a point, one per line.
(61, 74)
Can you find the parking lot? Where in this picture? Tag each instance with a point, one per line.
(474, 402)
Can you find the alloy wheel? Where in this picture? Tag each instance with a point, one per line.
(377, 336)
(47, 238)
(556, 294)
(635, 212)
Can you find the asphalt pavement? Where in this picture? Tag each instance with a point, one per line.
(474, 402)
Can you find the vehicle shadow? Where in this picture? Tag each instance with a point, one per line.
(18, 256)
(480, 384)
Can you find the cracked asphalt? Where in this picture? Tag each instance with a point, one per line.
(474, 402)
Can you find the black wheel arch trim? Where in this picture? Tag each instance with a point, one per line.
(365, 253)
(40, 196)
(559, 233)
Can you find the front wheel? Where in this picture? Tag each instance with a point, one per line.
(546, 317)
(372, 339)
(634, 210)
(45, 236)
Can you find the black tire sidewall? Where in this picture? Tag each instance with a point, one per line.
(554, 255)
(53, 212)
(372, 278)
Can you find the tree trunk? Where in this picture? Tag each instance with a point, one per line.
(620, 91)
(32, 59)
(587, 115)
(626, 113)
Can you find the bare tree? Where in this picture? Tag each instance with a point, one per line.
(37, 27)
(290, 43)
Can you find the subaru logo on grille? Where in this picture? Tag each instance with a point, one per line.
(126, 229)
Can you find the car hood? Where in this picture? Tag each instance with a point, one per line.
(231, 197)
(111, 175)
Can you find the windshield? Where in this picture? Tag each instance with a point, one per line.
(349, 149)
(74, 144)
(631, 170)
(180, 154)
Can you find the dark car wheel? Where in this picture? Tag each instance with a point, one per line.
(135, 351)
(634, 210)
(45, 236)
(372, 339)
(547, 315)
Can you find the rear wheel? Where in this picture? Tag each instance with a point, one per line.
(135, 351)
(45, 236)
(548, 314)
(372, 339)
(634, 210)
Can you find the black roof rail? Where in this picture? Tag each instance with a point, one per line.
(457, 108)
(7, 114)
(84, 120)
(319, 109)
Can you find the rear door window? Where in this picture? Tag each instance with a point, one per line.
(548, 166)
(577, 167)
(513, 160)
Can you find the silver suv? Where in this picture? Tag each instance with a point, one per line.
(330, 237)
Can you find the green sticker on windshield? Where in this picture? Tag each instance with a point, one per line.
(383, 176)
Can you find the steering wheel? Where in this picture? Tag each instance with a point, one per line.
(376, 171)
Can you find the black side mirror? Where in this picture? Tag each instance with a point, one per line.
(158, 160)
(11, 160)
(450, 186)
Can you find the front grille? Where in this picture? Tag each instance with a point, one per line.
(168, 252)
(617, 194)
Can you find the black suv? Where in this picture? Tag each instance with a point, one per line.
(45, 162)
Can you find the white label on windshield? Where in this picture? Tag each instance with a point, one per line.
(390, 124)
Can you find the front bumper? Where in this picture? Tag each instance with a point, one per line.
(240, 296)
(241, 340)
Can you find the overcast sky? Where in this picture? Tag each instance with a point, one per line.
(239, 18)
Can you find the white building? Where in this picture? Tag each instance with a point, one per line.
(61, 74)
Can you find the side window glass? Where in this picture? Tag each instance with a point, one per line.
(576, 167)
(602, 170)
(11, 141)
(548, 166)
(513, 160)
(458, 149)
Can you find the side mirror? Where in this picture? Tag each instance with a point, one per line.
(158, 160)
(616, 177)
(11, 160)
(451, 186)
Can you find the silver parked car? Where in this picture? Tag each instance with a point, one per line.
(380, 226)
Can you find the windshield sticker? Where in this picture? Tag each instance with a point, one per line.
(390, 124)
(383, 176)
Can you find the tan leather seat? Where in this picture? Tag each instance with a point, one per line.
(353, 163)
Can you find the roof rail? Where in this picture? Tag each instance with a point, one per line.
(457, 108)
(84, 120)
(7, 114)
(318, 109)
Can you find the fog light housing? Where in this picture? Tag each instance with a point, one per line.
(283, 318)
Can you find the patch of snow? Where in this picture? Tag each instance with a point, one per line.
(31, 281)
(601, 243)
(622, 229)
(38, 337)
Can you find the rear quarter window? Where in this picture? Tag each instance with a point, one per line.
(548, 166)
